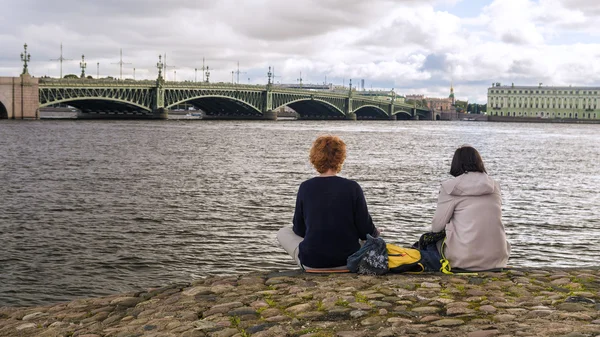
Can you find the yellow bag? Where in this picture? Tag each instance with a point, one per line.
(402, 260)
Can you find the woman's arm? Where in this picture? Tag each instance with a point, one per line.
(362, 218)
(443, 212)
(299, 227)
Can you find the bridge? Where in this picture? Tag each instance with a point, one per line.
(22, 97)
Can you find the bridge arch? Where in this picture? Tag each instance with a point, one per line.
(371, 112)
(403, 115)
(220, 105)
(3, 111)
(314, 108)
(90, 103)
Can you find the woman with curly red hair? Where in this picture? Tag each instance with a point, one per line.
(331, 212)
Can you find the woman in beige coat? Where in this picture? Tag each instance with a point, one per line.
(470, 210)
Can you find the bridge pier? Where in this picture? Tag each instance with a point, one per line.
(351, 116)
(393, 117)
(270, 115)
(19, 97)
(162, 113)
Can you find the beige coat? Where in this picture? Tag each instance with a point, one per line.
(470, 209)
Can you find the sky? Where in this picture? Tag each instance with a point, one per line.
(412, 46)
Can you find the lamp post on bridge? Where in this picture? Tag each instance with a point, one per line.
(269, 74)
(300, 80)
(160, 66)
(195, 75)
(97, 70)
(25, 57)
(207, 74)
(82, 65)
(204, 69)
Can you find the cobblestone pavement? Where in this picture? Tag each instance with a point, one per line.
(532, 302)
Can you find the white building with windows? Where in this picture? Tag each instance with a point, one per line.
(544, 102)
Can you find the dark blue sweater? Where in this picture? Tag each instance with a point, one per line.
(331, 215)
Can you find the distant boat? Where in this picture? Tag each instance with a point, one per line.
(469, 119)
(195, 114)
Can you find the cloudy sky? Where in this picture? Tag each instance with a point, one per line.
(413, 46)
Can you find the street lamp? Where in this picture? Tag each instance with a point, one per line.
(160, 66)
(82, 65)
(25, 57)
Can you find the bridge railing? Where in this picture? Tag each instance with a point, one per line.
(214, 85)
(84, 82)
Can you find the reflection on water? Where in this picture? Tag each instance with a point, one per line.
(91, 208)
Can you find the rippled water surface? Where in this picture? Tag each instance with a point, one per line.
(89, 208)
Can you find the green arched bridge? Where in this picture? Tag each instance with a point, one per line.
(154, 99)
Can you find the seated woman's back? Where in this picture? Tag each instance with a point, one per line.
(331, 215)
(470, 210)
(475, 237)
(331, 212)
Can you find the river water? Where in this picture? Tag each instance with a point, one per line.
(90, 208)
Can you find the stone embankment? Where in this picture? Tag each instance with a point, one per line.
(537, 302)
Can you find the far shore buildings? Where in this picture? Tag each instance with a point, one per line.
(437, 104)
(543, 102)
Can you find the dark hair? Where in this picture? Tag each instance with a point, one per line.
(466, 159)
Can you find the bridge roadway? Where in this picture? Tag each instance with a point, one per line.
(153, 100)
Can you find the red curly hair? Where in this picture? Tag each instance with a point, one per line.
(328, 152)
